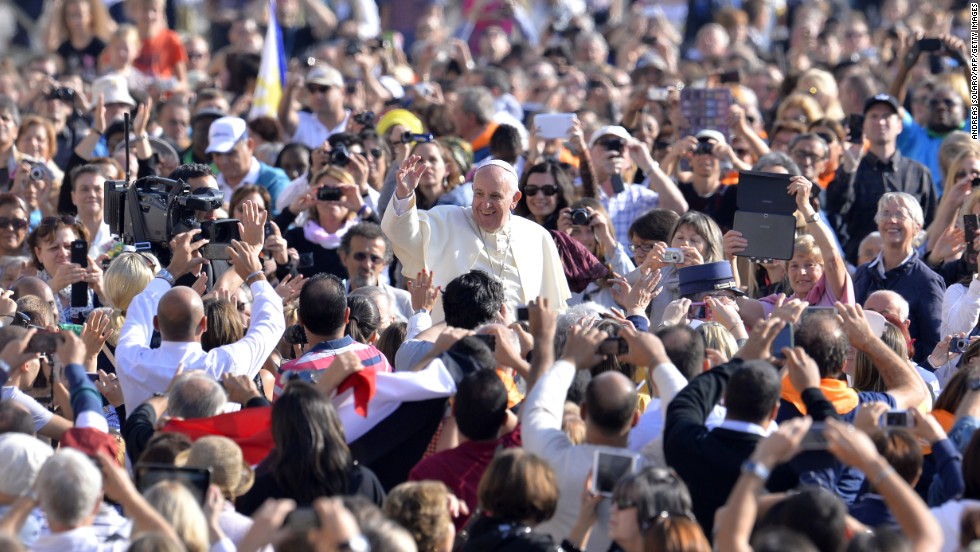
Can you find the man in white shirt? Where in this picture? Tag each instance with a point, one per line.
(325, 98)
(450, 240)
(178, 314)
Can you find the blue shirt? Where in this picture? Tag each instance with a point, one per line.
(922, 145)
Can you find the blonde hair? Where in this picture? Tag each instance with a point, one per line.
(127, 276)
(178, 507)
(866, 376)
(718, 338)
(824, 82)
(102, 24)
(28, 121)
(810, 106)
(965, 151)
(806, 246)
(125, 31)
(420, 507)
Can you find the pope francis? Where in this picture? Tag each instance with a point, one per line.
(452, 240)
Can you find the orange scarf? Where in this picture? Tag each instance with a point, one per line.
(836, 391)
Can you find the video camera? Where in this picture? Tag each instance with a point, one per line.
(148, 213)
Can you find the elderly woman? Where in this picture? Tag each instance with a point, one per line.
(898, 268)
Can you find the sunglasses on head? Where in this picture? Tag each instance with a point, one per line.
(548, 190)
(64, 219)
(13, 223)
(361, 256)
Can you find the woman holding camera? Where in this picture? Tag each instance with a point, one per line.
(332, 205)
(50, 245)
(589, 224)
(546, 190)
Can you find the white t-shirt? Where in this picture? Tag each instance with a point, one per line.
(39, 414)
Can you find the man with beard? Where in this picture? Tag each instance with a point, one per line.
(946, 108)
(365, 253)
(861, 181)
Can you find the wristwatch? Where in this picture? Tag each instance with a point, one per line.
(757, 469)
(166, 275)
(356, 544)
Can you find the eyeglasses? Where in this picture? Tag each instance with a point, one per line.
(900, 216)
(317, 89)
(623, 503)
(807, 156)
(645, 247)
(13, 223)
(63, 219)
(548, 190)
(361, 256)
(947, 103)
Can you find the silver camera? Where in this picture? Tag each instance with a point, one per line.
(40, 172)
(672, 255)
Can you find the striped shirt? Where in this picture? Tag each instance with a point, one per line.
(321, 356)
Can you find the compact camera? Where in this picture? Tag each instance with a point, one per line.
(673, 255)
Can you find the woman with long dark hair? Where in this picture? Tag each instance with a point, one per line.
(546, 189)
(311, 458)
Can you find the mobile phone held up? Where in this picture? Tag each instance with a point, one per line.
(79, 256)
(855, 128)
(609, 465)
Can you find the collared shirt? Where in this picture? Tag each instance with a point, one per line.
(251, 177)
(144, 371)
(312, 133)
(82, 539)
(852, 199)
(627, 206)
(748, 427)
(879, 263)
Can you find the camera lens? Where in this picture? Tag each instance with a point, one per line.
(37, 173)
(580, 217)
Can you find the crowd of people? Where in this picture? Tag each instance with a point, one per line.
(495, 284)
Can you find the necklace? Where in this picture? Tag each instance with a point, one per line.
(500, 274)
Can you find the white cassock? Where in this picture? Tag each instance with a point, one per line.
(447, 241)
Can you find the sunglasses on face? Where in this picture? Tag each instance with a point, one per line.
(13, 223)
(942, 103)
(548, 190)
(317, 89)
(361, 256)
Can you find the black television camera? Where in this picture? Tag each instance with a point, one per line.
(149, 212)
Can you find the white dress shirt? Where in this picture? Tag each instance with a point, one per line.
(144, 371)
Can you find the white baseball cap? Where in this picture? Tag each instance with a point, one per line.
(325, 76)
(709, 134)
(610, 130)
(225, 133)
(114, 90)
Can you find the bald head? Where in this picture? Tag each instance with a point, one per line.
(610, 403)
(888, 302)
(32, 285)
(180, 315)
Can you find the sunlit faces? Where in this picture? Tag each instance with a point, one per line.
(803, 271)
(13, 232)
(433, 180)
(33, 141)
(87, 194)
(365, 261)
(330, 210)
(881, 124)
(235, 164)
(896, 225)
(687, 235)
(544, 200)
(641, 248)
(26, 187)
(56, 250)
(494, 196)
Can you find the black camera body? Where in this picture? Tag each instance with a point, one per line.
(580, 217)
(326, 193)
(704, 147)
(62, 93)
(340, 156)
(148, 213)
(368, 118)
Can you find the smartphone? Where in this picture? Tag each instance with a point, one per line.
(268, 231)
(783, 339)
(490, 340)
(929, 45)
(657, 94)
(698, 311)
(617, 183)
(550, 126)
(326, 193)
(814, 438)
(44, 342)
(855, 128)
(971, 223)
(79, 256)
(608, 467)
(730, 77)
(898, 418)
(614, 346)
(522, 314)
(301, 520)
(92, 377)
(197, 480)
(309, 376)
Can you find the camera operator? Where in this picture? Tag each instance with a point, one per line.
(200, 177)
(178, 312)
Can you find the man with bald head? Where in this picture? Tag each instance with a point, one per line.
(178, 314)
(452, 240)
